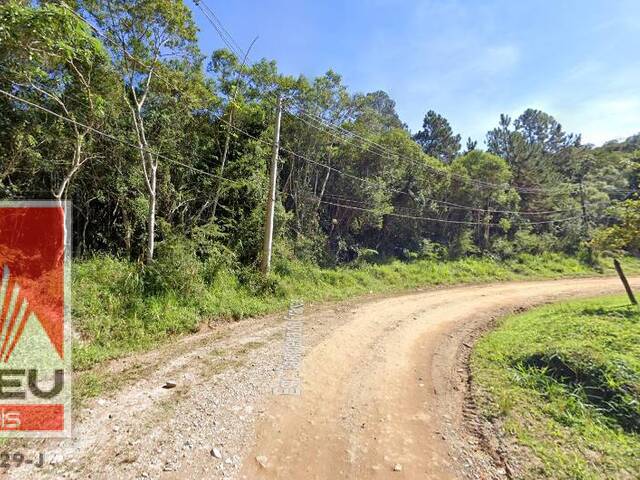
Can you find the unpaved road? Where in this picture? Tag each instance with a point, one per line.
(384, 395)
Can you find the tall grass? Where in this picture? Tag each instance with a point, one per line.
(563, 383)
(118, 307)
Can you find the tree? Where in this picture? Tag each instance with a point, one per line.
(539, 154)
(471, 145)
(150, 41)
(623, 236)
(437, 139)
(50, 57)
(376, 110)
(495, 194)
(534, 140)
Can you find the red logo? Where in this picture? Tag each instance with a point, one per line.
(35, 375)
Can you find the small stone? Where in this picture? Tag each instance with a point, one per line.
(169, 384)
(169, 467)
(216, 453)
(397, 467)
(262, 461)
(102, 402)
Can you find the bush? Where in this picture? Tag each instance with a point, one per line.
(311, 248)
(527, 242)
(214, 255)
(503, 248)
(523, 242)
(430, 250)
(463, 245)
(365, 256)
(258, 284)
(176, 269)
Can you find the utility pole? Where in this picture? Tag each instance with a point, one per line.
(271, 198)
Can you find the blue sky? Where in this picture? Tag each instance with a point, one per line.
(468, 60)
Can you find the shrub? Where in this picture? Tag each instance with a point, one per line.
(214, 255)
(258, 284)
(527, 242)
(430, 250)
(176, 269)
(365, 256)
(463, 245)
(503, 248)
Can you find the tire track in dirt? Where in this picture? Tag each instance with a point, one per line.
(383, 385)
(383, 395)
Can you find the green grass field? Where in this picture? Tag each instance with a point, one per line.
(115, 314)
(562, 382)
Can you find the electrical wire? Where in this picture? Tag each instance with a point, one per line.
(224, 35)
(379, 151)
(433, 219)
(114, 138)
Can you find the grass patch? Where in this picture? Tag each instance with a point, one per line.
(563, 383)
(115, 312)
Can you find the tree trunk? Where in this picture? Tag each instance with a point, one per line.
(151, 223)
(223, 163)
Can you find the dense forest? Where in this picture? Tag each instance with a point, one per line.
(164, 152)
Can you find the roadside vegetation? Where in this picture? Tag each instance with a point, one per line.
(562, 384)
(164, 151)
(120, 307)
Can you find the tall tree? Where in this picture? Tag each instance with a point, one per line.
(495, 194)
(437, 138)
(471, 145)
(49, 57)
(150, 41)
(539, 153)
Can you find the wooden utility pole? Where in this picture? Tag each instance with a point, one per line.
(625, 282)
(271, 198)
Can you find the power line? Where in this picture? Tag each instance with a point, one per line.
(224, 35)
(384, 152)
(376, 148)
(375, 184)
(527, 221)
(114, 138)
(432, 219)
(352, 134)
(460, 206)
(389, 154)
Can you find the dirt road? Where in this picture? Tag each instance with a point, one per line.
(384, 385)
